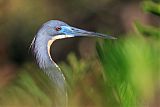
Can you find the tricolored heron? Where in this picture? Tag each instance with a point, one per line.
(47, 34)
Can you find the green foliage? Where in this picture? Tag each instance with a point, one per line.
(131, 64)
(148, 30)
(153, 7)
(115, 66)
(75, 67)
(28, 89)
(85, 82)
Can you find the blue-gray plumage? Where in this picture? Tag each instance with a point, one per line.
(47, 34)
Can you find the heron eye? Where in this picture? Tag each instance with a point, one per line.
(58, 28)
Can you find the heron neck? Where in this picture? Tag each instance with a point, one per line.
(42, 53)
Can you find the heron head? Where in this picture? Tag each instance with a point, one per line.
(53, 30)
(58, 30)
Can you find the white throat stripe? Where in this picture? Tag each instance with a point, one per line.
(61, 37)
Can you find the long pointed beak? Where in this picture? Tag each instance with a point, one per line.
(80, 32)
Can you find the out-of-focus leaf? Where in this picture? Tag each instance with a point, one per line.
(130, 67)
(152, 7)
(148, 30)
(27, 90)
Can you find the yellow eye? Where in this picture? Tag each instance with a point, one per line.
(58, 28)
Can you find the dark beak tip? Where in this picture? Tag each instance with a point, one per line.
(114, 37)
(110, 37)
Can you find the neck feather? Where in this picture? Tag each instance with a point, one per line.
(41, 53)
(41, 49)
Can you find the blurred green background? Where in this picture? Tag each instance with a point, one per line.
(100, 73)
